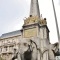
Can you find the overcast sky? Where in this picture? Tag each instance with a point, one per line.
(13, 13)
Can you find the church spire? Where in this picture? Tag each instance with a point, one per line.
(34, 8)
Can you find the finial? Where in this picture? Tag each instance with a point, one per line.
(41, 17)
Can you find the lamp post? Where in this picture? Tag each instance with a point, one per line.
(58, 35)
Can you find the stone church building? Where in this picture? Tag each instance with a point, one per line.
(31, 42)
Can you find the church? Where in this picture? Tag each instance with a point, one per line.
(31, 42)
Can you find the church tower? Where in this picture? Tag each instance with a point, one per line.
(35, 28)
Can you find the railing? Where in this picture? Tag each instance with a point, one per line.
(9, 51)
(8, 44)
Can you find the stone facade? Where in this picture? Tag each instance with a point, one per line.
(33, 38)
(19, 40)
(8, 44)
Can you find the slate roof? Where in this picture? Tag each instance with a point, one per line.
(10, 34)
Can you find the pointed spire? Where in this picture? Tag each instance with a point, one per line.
(34, 8)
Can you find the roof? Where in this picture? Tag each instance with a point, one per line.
(10, 34)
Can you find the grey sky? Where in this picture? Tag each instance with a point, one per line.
(13, 13)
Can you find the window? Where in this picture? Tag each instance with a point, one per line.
(1, 49)
(5, 48)
(2, 42)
